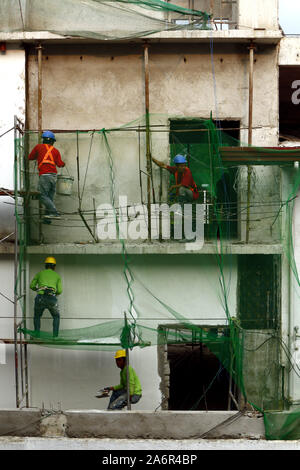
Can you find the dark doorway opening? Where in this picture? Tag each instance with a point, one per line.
(289, 102)
(198, 380)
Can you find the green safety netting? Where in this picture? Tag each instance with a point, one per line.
(244, 204)
(98, 19)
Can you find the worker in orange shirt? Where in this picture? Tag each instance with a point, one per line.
(48, 158)
(186, 188)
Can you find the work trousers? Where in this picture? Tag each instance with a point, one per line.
(42, 302)
(47, 189)
(185, 195)
(118, 399)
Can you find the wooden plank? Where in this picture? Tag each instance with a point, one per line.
(260, 155)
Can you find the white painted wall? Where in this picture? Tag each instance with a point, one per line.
(94, 287)
(7, 375)
(12, 98)
(258, 14)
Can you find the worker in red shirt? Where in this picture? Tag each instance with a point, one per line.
(48, 158)
(186, 188)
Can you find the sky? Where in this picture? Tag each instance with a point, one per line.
(289, 16)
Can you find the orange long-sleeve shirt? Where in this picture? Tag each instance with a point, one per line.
(38, 153)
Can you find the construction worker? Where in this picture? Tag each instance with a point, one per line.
(118, 399)
(48, 158)
(48, 285)
(186, 188)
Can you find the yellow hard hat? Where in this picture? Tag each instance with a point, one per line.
(121, 353)
(50, 260)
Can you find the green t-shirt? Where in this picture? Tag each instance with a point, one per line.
(134, 383)
(47, 278)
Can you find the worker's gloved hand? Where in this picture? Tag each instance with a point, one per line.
(108, 388)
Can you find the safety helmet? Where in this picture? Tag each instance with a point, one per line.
(48, 135)
(180, 159)
(121, 353)
(50, 260)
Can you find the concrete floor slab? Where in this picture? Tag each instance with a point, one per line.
(110, 445)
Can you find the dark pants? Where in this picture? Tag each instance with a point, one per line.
(118, 399)
(185, 195)
(42, 302)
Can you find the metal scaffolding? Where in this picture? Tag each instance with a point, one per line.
(20, 191)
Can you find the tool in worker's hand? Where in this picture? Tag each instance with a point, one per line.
(103, 393)
(47, 290)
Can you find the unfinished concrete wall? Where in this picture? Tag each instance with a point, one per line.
(91, 87)
(257, 14)
(262, 382)
(95, 87)
(222, 12)
(129, 425)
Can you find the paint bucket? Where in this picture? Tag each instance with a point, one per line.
(64, 185)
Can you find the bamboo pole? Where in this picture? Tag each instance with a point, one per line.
(128, 380)
(148, 154)
(40, 110)
(15, 315)
(40, 120)
(16, 270)
(127, 370)
(250, 122)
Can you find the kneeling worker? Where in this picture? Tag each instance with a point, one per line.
(186, 188)
(48, 284)
(118, 399)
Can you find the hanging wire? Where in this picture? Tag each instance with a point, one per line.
(126, 269)
(6, 132)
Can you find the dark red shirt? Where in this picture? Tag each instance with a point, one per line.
(39, 152)
(185, 179)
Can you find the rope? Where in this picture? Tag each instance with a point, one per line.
(86, 170)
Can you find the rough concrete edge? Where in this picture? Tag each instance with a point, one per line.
(23, 423)
(247, 427)
(242, 426)
(87, 424)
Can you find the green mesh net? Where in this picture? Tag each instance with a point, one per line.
(243, 204)
(98, 19)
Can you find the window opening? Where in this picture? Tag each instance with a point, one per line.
(194, 378)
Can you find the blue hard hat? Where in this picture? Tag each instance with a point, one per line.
(48, 135)
(179, 159)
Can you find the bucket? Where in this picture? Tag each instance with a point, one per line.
(64, 185)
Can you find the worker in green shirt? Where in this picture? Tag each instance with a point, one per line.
(118, 399)
(48, 285)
